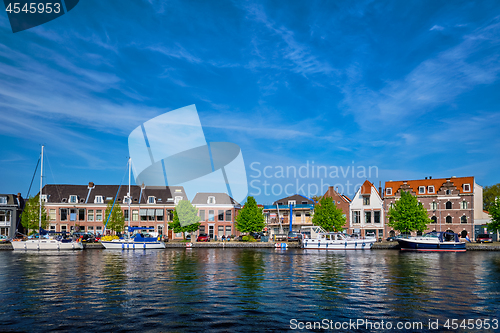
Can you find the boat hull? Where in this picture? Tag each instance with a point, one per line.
(315, 244)
(127, 245)
(46, 245)
(422, 246)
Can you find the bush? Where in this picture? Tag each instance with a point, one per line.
(248, 238)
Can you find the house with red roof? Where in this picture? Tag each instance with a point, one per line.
(367, 212)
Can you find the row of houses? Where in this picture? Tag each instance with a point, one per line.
(452, 204)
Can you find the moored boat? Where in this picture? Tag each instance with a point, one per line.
(137, 241)
(442, 241)
(334, 241)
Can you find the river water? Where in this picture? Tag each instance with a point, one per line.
(246, 290)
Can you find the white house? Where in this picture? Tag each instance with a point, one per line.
(366, 210)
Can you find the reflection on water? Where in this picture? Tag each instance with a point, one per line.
(192, 290)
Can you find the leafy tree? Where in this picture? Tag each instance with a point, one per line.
(250, 218)
(494, 211)
(490, 193)
(31, 214)
(116, 221)
(328, 216)
(408, 214)
(185, 219)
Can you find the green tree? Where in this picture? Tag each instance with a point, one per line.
(494, 211)
(408, 214)
(116, 221)
(31, 215)
(328, 216)
(250, 218)
(490, 193)
(185, 219)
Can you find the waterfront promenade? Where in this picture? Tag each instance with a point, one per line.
(377, 246)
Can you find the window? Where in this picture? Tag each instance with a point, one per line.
(291, 202)
(220, 216)
(448, 205)
(434, 205)
(144, 214)
(73, 199)
(376, 216)
(202, 229)
(125, 215)
(170, 215)
(388, 191)
(228, 230)
(211, 215)
(3, 200)
(463, 219)
(72, 214)
(466, 187)
(98, 215)
(304, 202)
(434, 219)
(463, 205)
(64, 214)
(44, 197)
(151, 214)
(228, 215)
(81, 214)
(126, 200)
(177, 199)
(202, 215)
(4, 215)
(430, 189)
(90, 229)
(64, 228)
(356, 217)
(447, 192)
(421, 189)
(90, 215)
(98, 199)
(211, 200)
(368, 217)
(135, 215)
(366, 201)
(151, 200)
(159, 215)
(449, 219)
(52, 214)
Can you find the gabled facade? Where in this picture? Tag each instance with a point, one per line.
(11, 206)
(217, 212)
(450, 202)
(341, 201)
(82, 208)
(367, 211)
(279, 211)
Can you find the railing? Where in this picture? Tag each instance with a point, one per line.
(5, 224)
(285, 207)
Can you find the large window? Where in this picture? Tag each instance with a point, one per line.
(356, 217)
(125, 215)
(4, 215)
(98, 215)
(228, 230)
(159, 215)
(211, 215)
(220, 216)
(151, 214)
(90, 215)
(463, 219)
(202, 215)
(81, 214)
(228, 215)
(135, 215)
(433, 219)
(463, 205)
(52, 214)
(448, 205)
(434, 205)
(144, 214)
(170, 215)
(449, 219)
(3, 200)
(64, 214)
(376, 216)
(368, 217)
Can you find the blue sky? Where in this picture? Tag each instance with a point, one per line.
(409, 87)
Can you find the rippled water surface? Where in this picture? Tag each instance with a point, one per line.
(241, 290)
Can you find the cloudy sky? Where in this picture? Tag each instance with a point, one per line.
(408, 88)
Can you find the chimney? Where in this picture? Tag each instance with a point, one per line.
(430, 177)
(19, 199)
(380, 189)
(425, 177)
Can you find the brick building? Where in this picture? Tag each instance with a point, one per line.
(217, 212)
(11, 206)
(82, 208)
(452, 203)
(341, 201)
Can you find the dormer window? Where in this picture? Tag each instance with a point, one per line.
(44, 197)
(73, 199)
(151, 200)
(211, 200)
(98, 199)
(466, 187)
(178, 190)
(421, 190)
(388, 191)
(126, 200)
(177, 199)
(291, 203)
(304, 202)
(430, 189)
(3, 200)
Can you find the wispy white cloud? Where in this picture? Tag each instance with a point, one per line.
(436, 27)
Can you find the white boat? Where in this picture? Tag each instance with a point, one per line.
(138, 241)
(440, 241)
(319, 239)
(51, 243)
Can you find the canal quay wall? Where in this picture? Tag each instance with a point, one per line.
(376, 246)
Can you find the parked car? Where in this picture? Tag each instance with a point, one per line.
(370, 235)
(484, 238)
(203, 238)
(4, 239)
(257, 235)
(392, 239)
(293, 236)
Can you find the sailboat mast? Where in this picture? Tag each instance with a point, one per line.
(128, 194)
(40, 196)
